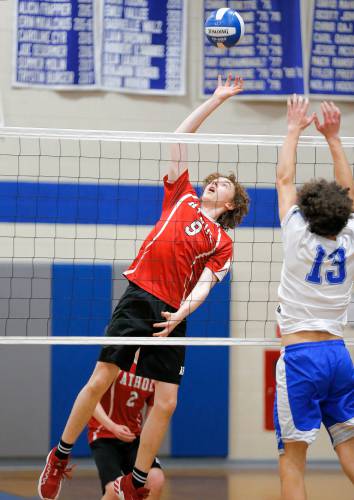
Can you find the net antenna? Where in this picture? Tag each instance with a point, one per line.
(76, 206)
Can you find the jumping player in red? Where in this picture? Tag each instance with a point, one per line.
(114, 430)
(183, 257)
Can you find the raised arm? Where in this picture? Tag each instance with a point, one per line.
(197, 296)
(191, 124)
(285, 178)
(122, 432)
(330, 129)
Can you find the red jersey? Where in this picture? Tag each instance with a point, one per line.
(124, 403)
(184, 241)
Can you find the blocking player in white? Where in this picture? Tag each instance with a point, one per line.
(183, 257)
(315, 376)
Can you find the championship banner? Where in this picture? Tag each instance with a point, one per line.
(332, 52)
(269, 56)
(143, 46)
(55, 46)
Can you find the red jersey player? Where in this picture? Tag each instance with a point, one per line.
(114, 430)
(184, 256)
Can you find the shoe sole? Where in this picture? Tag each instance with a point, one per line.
(40, 480)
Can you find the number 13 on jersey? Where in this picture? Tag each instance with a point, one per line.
(335, 276)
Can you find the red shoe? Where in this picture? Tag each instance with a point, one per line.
(125, 490)
(54, 472)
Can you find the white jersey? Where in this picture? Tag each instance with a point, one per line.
(316, 278)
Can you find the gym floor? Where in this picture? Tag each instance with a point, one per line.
(188, 481)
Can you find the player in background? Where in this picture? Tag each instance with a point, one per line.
(183, 257)
(315, 376)
(114, 430)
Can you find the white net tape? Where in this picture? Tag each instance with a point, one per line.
(57, 189)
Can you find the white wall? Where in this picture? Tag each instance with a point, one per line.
(114, 111)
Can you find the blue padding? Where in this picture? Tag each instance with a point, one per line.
(107, 204)
(82, 301)
(201, 422)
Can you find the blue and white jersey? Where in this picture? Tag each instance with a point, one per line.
(316, 278)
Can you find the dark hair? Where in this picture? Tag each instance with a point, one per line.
(325, 206)
(231, 218)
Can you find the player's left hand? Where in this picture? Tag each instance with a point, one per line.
(331, 120)
(170, 323)
(230, 88)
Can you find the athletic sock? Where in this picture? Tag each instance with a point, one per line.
(139, 478)
(63, 450)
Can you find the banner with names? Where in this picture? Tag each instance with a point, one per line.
(269, 57)
(132, 45)
(143, 46)
(55, 44)
(332, 51)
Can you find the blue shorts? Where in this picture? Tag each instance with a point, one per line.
(315, 384)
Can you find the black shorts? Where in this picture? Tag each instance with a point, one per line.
(134, 316)
(114, 458)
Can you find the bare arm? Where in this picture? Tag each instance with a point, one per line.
(191, 124)
(330, 129)
(197, 296)
(285, 179)
(122, 432)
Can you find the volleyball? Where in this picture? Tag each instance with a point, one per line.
(224, 27)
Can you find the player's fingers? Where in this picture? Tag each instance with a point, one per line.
(317, 121)
(163, 324)
(306, 104)
(126, 429)
(164, 333)
(219, 81)
(300, 102)
(228, 80)
(326, 109)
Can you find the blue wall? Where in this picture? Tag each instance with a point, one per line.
(81, 305)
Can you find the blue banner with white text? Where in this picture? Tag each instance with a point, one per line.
(55, 44)
(143, 46)
(332, 51)
(268, 57)
(129, 45)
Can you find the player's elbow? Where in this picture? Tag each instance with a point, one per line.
(283, 180)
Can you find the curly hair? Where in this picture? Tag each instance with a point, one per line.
(231, 218)
(325, 206)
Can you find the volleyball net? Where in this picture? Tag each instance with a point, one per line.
(77, 205)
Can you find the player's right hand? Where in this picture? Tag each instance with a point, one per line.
(228, 89)
(123, 433)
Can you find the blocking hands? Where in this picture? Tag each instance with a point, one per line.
(299, 119)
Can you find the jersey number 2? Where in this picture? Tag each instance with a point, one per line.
(131, 401)
(335, 277)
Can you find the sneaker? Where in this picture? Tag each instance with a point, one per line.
(125, 490)
(54, 472)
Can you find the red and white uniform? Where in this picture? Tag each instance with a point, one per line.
(183, 242)
(124, 403)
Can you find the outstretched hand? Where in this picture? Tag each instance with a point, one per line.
(331, 120)
(297, 114)
(170, 323)
(230, 88)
